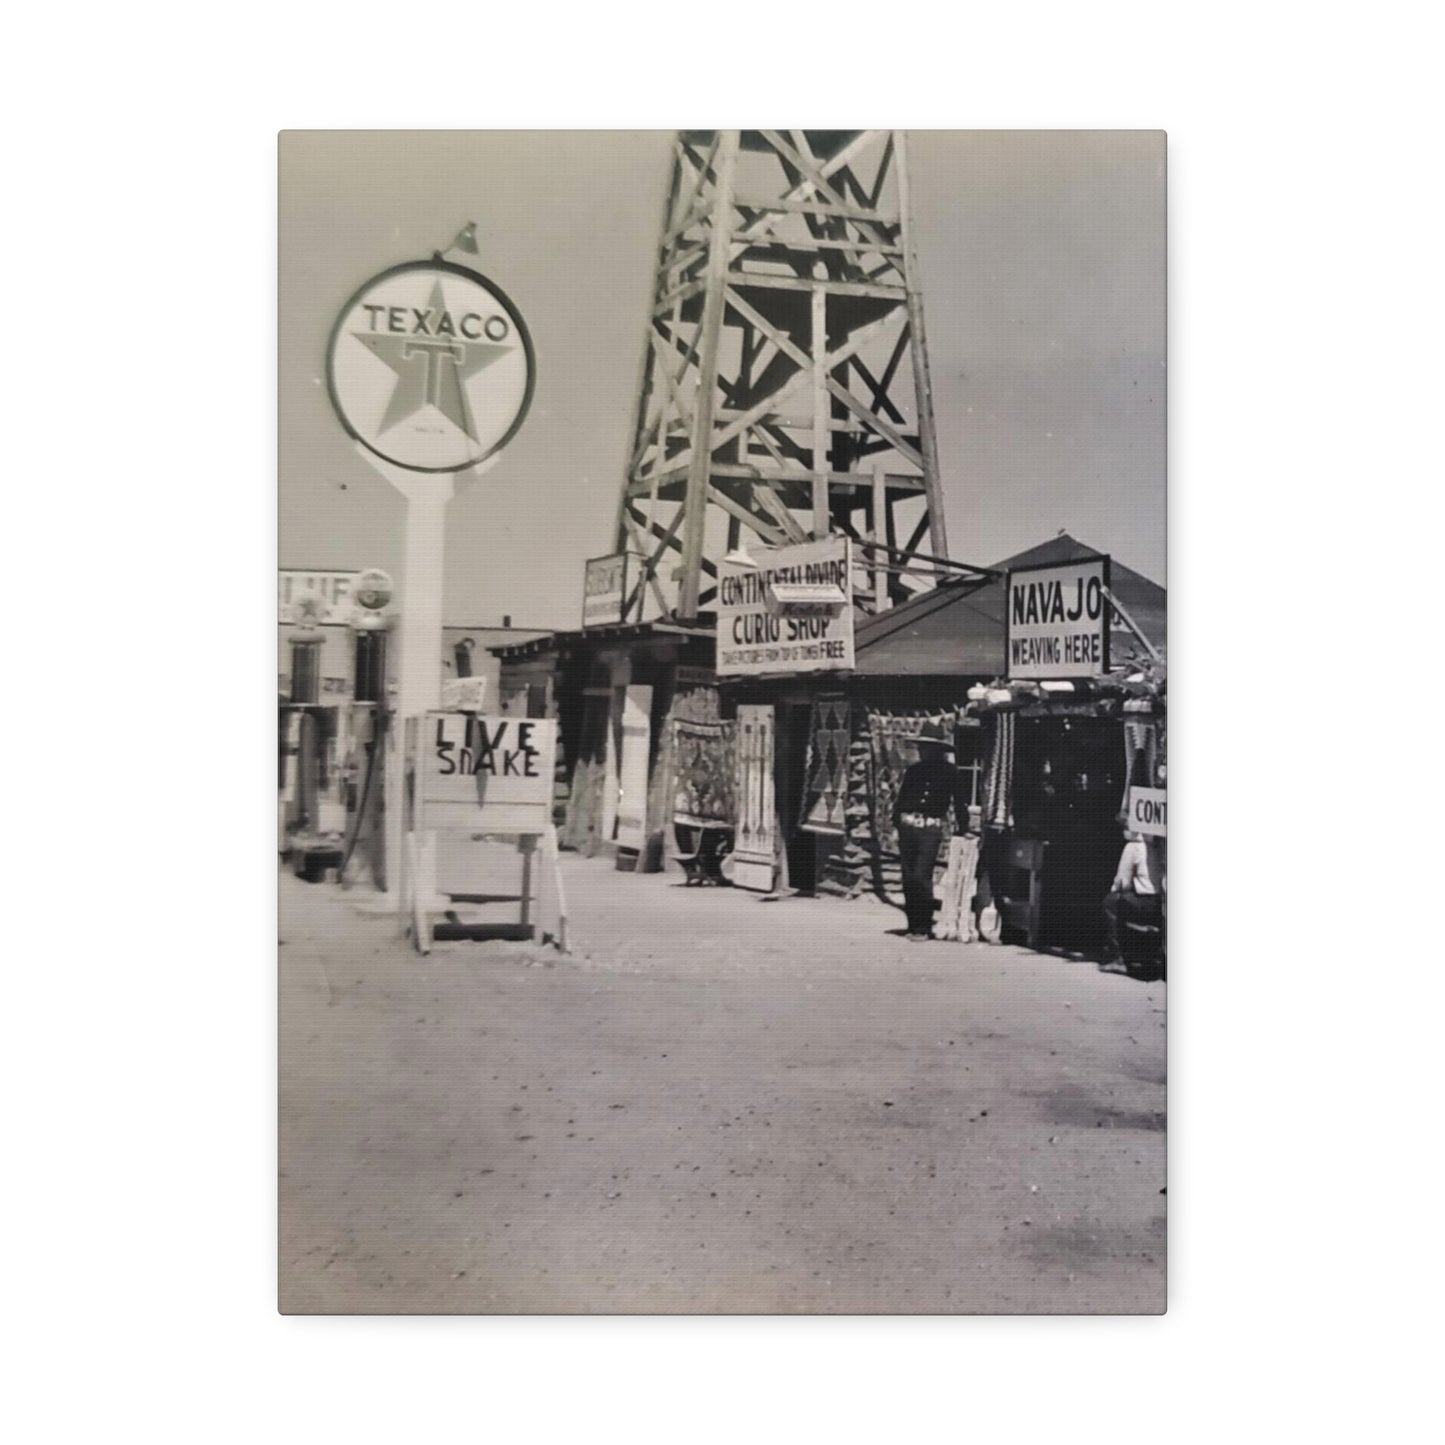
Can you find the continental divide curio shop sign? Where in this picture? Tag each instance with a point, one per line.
(789, 609)
(1058, 620)
(430, 367)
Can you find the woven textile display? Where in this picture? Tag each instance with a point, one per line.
(703, 760)
(1140, 763)
(825, 788)
(894, 752)
(960, 882)
(998, 784)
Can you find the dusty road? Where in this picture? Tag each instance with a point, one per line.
(714, 1105)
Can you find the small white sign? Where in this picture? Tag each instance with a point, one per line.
(604, 590)
(1147, 812)
(464, 694)
(373, 588)
(311, 598)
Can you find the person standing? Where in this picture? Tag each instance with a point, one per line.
(930, 787)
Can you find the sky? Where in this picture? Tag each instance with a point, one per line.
(1041, 256)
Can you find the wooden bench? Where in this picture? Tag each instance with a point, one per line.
(701, 852)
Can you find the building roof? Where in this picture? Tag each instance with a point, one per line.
(611, 634)
(958, 628)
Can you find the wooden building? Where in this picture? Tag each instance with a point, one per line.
(841, 741)
(615, 690)
(807, 766)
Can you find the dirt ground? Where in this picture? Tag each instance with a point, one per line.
(715, 1104)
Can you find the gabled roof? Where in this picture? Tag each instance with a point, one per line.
(958, 629)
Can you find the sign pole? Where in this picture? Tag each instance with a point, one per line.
(430, 370)
(419, 633)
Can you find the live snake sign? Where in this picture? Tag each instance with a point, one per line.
(486, 774)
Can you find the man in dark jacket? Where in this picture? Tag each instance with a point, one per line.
(920, 814)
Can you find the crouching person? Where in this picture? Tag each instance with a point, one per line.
(1137, 894)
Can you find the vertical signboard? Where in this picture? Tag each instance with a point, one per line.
(1058, 620)
(789, 609)
(632, 770)
(604, 590)
(756, 835)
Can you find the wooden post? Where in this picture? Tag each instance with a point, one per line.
(918, 355)
(821, 413)
(551, 855)
(700, 464)
(880, 558)
(527, 845)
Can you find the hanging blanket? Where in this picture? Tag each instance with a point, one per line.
(960, 882)
(1141, 758)
(998, 787)
(825, 787)
(703, 759)
(894, 752)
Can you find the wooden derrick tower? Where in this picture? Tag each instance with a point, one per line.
(785, 387)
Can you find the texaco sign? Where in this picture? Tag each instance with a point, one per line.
(430, 367)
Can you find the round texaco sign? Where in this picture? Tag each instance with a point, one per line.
(430, 367)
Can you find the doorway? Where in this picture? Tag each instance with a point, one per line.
(794, 721)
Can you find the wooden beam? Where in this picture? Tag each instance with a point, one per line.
(871, 419)
(821, 437)
(819, 208)
(678, 293)
(837, 288)
(899, 483)
(772, 535)
(686, 257)
(880, 387)
(922, 384)
(774, 504)
(858, 408)
(823, 243)
(833, 359)
(698, 179)
(714, 303)
(811, 172)
(877, 512)
(766, 221)
(649, 569)
(876, 194)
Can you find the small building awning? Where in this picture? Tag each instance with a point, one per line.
(607, 634)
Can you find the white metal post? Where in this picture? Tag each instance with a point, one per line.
(419, 635)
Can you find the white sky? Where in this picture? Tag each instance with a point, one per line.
(1042, 261)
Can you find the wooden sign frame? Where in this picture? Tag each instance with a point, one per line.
(453, 762)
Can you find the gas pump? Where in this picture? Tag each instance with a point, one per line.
(364, 767)
(311, 818)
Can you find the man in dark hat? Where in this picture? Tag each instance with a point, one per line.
(920, 815)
